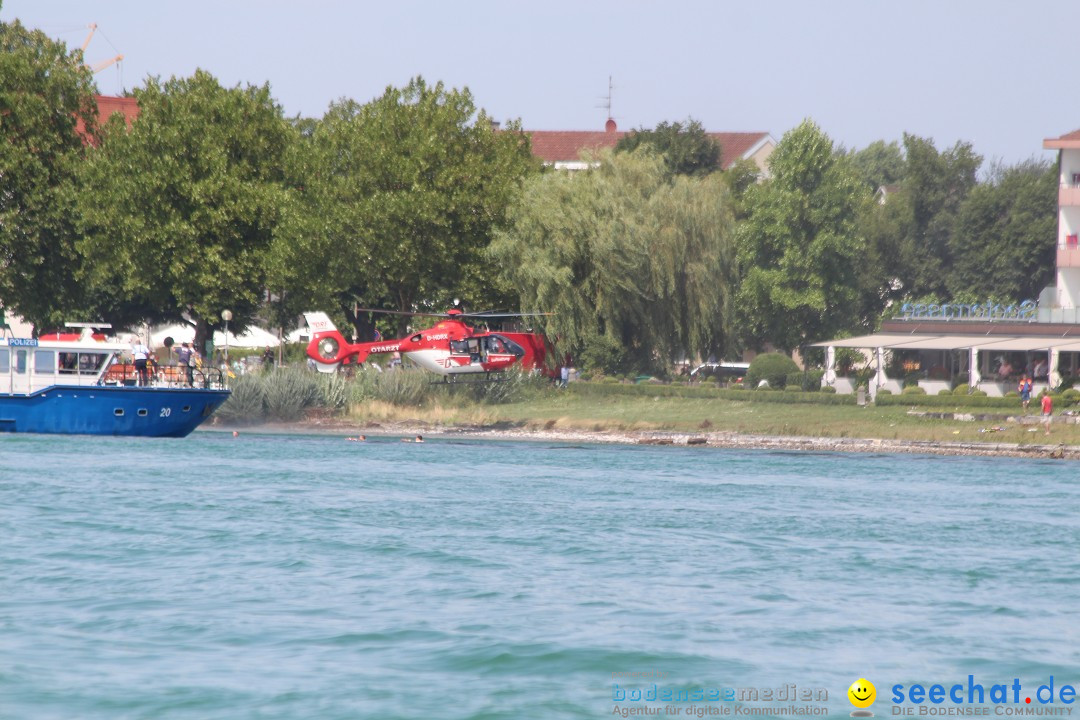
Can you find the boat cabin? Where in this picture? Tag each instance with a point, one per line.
(28, 365)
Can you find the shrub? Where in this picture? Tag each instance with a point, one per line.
(829, 390)
(961, 389)
(289, 392)
(961, 379)
(882, 391)
(809, 380)
(403, 387)
(847, 359)
(913, 390)
(1012, 394)
(513, 386)
(247, 404)
(603, 353)
(978, 393)
(945, 391)
(1070, 397)
(773, 367)
(363, 385)
(333, 390)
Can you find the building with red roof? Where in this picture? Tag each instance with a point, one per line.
(563, 149)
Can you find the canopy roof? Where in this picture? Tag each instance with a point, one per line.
(873, 341)
(1034, 342)
(902, 341)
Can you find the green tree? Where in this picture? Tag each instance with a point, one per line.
(879, 164)
(800, 249)
(935, 185)
(686, 148)
(45, 92)
(1003, 244)
(636, 268)
(180, 209)
(397, 200)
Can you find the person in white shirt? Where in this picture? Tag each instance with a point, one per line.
(141, 353)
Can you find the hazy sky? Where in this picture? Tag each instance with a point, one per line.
(997, 73)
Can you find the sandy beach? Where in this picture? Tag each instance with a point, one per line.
(703, 439)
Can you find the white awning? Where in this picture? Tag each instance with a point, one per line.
(1008, 343)
(886, 340)
(1032, 343)
(955, 342)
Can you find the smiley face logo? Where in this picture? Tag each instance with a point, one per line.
(862, 693)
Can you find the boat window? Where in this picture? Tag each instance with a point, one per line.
(20, 361)
(69, 362)
(44, 362)
(81, 363)
(5, 360)
(91, 363)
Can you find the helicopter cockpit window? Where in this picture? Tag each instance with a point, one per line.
(503, 346)
(459, 347)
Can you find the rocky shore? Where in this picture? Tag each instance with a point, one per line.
(698, 439)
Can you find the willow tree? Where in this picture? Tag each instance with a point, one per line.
(629, 261)
(396, 200)
(45, 93)
(180, 210)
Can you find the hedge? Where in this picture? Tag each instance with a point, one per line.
(958, 401)
(711, 393)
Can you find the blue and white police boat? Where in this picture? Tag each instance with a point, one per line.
(76, 383)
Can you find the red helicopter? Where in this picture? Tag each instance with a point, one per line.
(450, 348)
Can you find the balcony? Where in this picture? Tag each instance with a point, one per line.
(1069, 196)
(1068, 255)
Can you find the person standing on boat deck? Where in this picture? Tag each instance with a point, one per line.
(141, 353)
(183, 359)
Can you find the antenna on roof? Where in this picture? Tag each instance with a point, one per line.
(609, 126)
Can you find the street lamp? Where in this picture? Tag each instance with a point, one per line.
(226, 315)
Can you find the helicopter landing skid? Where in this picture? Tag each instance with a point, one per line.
(449, 380)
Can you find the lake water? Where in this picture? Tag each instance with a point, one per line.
(288, 576)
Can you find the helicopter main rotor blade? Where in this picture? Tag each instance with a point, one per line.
(402, 312)
(482, 315)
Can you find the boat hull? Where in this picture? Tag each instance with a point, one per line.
(110, 410)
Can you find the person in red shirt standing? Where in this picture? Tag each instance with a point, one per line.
(1048, 411)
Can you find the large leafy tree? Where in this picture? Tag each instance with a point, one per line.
(799, 248)
(45, 91)
(1004, 238)
(686, 148)
(180, 209)
(636, 268)
(935, 185)
(880, 164)
(396, 201)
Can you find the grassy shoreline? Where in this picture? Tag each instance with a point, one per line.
(646, 417)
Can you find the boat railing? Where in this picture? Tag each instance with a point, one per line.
(165, 376)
